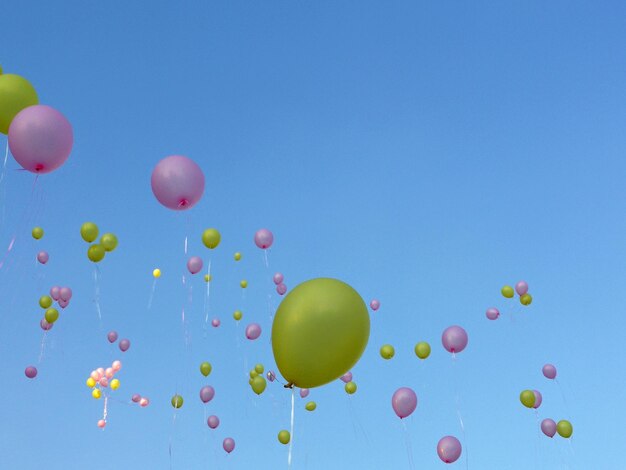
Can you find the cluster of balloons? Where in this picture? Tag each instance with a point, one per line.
(521, 288)
(142, 401)
(124, 344)
(281, 287)
(108, 242)
(257, 382)
(103, 378)
(564, 428)
(42, 256)
(531, 398)
(60, 295)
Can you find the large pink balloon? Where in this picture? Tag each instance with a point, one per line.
(454, 339)
(40, 138)
(177, 182)
(404, 402)
(548, 427)
(449, 449)
(263, 238)
(194, 264)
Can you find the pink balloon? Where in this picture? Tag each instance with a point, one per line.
(206, 394)
(263, 238)
(43, 257)
(404, 402)
(538, 399)
(109, 373)
(253, 331)
(95, 375)
(40, 139)
(454, 339)
(124, 345)
(104, 382)
(102, 423)
(112, 336)
(194, 264)
(493, 313)
(375, 304)
(30, 372)
(45, 325)
(271, 375)
(229, 444)
(215, 322)
(281, 289)
(347, 377)
(63, 303)
(65, 293)
(55, 292)
(549, 371)
(521, 288)
(144, 402)
(278, 278)
(304, 392)
(100, 371)
(213, 422)
(136, 398)
(449, 449)
(177, 182)
(116, 366)
(548, 427)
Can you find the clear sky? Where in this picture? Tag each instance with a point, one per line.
(426, 153)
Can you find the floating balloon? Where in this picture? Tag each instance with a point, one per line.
(304, 392)
(237, 315)
(112, 336)
(493, 313)
(136, 397)
(320, 330)
(116, 366)
(45, 301)
(508, 292)
(404, 402)
(549, 371)
(258, 384)
(422, 349)
(253, 331)
(350, 388)
(144, 402)
(281, 289)
(63, 303)
(548, 427)
(526, 299)
(564, 428)
(521, 288)
(156, 273)
(278, 278)
(284, 437)
(31, 372)
(102, 423)
(215, 322)
(40, 139)
(177, 401)
(271, 375)
(263, 238)
(538, 399)
(124, 345)
(527, 397)
(96, 253)
(449, 449)
(194, 264)
(37, 233)
(51, 315)
(310, 406)
(243, 284)
(205, 368)
(374, 304)
(213, 421)
(96, 393)
(208, 278)
(454, 339)
(228, 444)
(89, 232)
(65, 293)
(91, 383)
(177, 182)
(55, 292)
(108, 241)
(16, 94)
(211, 238)
(42, 257)
(259, 368)
(387, 351)
(115, 384)
(43, 323)
(237, 256)
(207, 393)
(253, 374)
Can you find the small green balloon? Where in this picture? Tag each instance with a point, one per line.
(259, 368)
(51, 315)
(526, 299)
(237, 256)
(205, 368)
(37, 233)
(564, 428)
(259, 384)
(508, 292)
(96, 253)
(177, 401)
(108, 241)
(89, 231)
(237, 315)
(253, 374)
(284, 437)
(310, 406)
(387, 351)
(211, 238)
(350, 388)
(250, 381)
(527, 397)
(422, 349)
(45, 301)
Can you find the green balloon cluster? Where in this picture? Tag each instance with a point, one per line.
(96, 252)
(257, 382)
(205, 368)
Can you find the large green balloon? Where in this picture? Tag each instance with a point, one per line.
(51, 315)
(527, 397)
(96, 253)
(211, 238)
(89, 231)
(108, 241)
(258, 384)
(16, 93)
(320, 331)
(564, 428)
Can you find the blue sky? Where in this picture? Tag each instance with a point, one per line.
(426, 154)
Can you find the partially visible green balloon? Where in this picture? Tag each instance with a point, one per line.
(45, 301)
(16, 93)
(205, 368)
(37, 233)
(253, 374)
(350, 388)
(259, 384)
(527, 397)
(51, 315)
(211, 238)
(310, 406)
(108, 241)
(526, 299)
(259, 368)
(387, 351)
(96, 253)
(89, 231)
(177, 401)
(508, 292)
(422, 349)
(564, 428)
(320, 331)
(284, 437)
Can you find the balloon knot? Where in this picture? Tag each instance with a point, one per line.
(289, 385)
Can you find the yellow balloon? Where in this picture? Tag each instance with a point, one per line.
(156, 273)
(96, 393)
(91, 383)
(208, 278)
(211, 238)
(237, 315)
(237, 256)
(37, 233)
(350, 388)
(16, 93)
(320, 331)
(115, 384)
(243, 283)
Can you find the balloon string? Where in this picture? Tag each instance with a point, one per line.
(96, 280)
(4, 163)
(267, 265)
(152, 294)
(186, 245)
(409, 450)
(43, 345)
(458, 411)
(106, 402)
(293, 405)
(171, 435)
(207, 305)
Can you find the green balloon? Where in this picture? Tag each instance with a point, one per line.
(387, 351)
(508, 292)
(320, 331)
(284, 437)
(89, 231)
(177, 401)
(237, 315)
(253, 374)
(350, 388)
(527, 397)
(422, 349)
(205, 368)
(51, 315)
(45, 301)
(16, 93)
(259, 384)
(310, 406)
(564, 428)
(108, 241)
(211, 238)
(259, 368)
(37, 233)
(96, 253)
(526, 299)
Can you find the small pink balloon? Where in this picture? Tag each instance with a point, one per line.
(206, 394)
(136, 398)
(100, 371)
(40, 139)
(213, 421)
(375, 304)
(404, 402)
(30, 372)
(549, 371)
(454, 339)
(263, 238)
(55, 292)
(304, 392)
(177, 182)
(65, 293)
(449, 449)
(271, 375)
(538, 399)
(43, 257)
(347, 377)
(521, 288)
(43, 323)
(104, 382)
(95, 375)
(229, 444)
(109, 372)
(253, 331)
(215, 322)
(102, 423)
(493, 313)
(63, 303)
(112, 336)
(144, 402)
(194, 264)
(548, 427)
(278, 278)
(124, 345)
(116, 366)
(281, 289)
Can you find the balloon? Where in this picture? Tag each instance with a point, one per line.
(96, 253)
(37, 233)
(387, 351)
(55, 292)
(194, 264)
(144, 402)
(89, 231)
(526, 299)
(109, 372)
(422, 349)
(156, 273)
(284, 437)
(31, 372)
(521, 288)
(548, 427)
(253, 331)
(91, 383)
(104, 382)
(208, 278)
(228, 444)
(454, 339)
(116, 366)
(108, 241)
(40, 139)
(63, 303)
(347, 377)
(45, 325)
(237, 256)
(215, 322)
(205, 368)
(281, 289)
(177, 401)
(124, 345)
(493, 313)
(65, 293)
(207, 393)
(96, 393)
(112, 336)
(404, 402)
(320, 330)
(259, 384)
(42, 257)
(310, 406)
(211, 238)
(177, 182)
(253, 374)
(263, 238)
(508, 292)
(136, 397)
(538, 399)
(213, 421)
(95, 375)
(374, 304)
(115, 384)
(259, 368)
(564, 428)
(237, 315)
(527, 397)
(271, 375)
(304, 392)
(350, 388)
(45, 301)
(51, 315)
(549, 371)
(278, 278)
(449, 449)
(16, 94)
(102, 423)
(243, 283)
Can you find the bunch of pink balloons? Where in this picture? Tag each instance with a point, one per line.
(61, 295)
(142, 401)
(124, 344)
(278, 279)
(177, 182)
